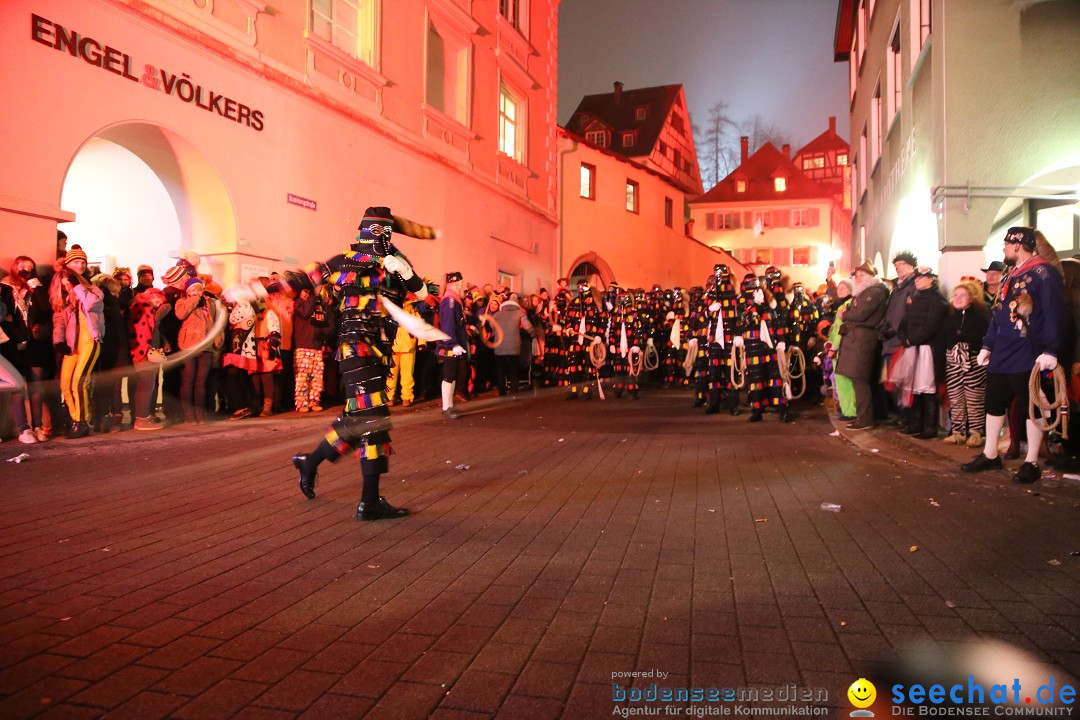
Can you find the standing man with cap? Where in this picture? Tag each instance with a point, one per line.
(993, 280)
(455, 350)
(1027, 324)
(858, 352)
(904, 263)
(145, 276)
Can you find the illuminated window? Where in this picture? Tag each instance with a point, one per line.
(588, 181)
(511, 124)
(740, 186)
(841, 158)
(895, 89)
(780, 184)
(632, 192)
(351, 25)
(813, 163)
(800, 217)
(801, 256)
(597, 137)
(727, 220)
(669, 212)
(762, 218)
(448, 74)
(641, 113)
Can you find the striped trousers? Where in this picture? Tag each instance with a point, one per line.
(966, 383)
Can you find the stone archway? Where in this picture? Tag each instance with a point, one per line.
(140, 193)
(591, 267)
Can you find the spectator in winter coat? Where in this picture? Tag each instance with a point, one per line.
(921, 329)
(856, 359)
(511, 319)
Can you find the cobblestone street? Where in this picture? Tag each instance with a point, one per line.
(553, 546)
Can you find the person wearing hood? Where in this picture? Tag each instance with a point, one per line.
(511, 320)
(922, 328)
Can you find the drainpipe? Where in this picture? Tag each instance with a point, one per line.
(559, 250)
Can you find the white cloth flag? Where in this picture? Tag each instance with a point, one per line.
(676, 332)
(624, 344)
(581, 332)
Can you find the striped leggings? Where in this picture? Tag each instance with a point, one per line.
(966, 382)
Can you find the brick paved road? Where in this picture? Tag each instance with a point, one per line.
(181, 574)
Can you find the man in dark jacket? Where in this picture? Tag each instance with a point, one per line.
(454, 350)
(904, 263)
(862, 318)
(921, 328)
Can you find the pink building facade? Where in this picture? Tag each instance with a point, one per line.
(256, 136)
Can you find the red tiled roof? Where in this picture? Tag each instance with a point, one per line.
(759, 172)
(621, 116)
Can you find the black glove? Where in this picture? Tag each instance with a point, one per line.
(274, 345)
(62, 348)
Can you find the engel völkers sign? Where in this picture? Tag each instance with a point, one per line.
(119, 63)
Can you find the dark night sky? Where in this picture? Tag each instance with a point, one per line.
(767, 57)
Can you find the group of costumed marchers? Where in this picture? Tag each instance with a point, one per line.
(712, 338)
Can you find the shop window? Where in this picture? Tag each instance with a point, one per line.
(350, 25)
(632, 196)
(588, 181)
(511, 124)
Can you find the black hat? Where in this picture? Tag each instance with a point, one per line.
(1025, 236)
(452, 277)
(996, 266)
(375, 230)
(925, 271)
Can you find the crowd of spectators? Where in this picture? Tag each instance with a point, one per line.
(94, 347)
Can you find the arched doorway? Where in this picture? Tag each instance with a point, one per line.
(140, 193)
(592, 268)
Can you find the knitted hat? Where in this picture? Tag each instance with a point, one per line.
(185, 268)
(192, 282)
(75, 253)
(1024, 236)
(117, 272)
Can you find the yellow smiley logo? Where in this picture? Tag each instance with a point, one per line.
(862, 693)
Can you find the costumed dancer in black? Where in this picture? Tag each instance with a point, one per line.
(673, 337)
(627, 346)
(555, 342)
(763, 383)
(698, 322)
(454, 351)
(585, 321)
(371, 270)
(723, 316)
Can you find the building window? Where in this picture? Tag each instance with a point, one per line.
(860, 31)
(588, 181)
(740, 186)
(780, 184)
(678, 124)
(664, 148)
(780, 257)
(632, 192)
(921, 27)
(350, 25)
(727, 221)
(508, 279)
(514, 13)
(799, 217)
(511, 124)
(813, 163)
(801, 256)
(853, 70)
(875, 125)
(895, 87)
(841, 159)
(762, 219)
(641, 113)
(448, 74)
(628, 139)
(862, 160)
(597, 138)
(669, 212)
